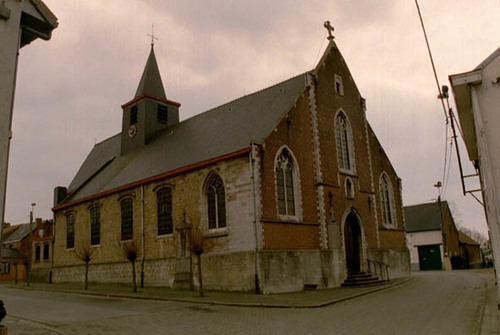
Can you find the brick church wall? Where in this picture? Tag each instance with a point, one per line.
(107, 264)
(294, 132)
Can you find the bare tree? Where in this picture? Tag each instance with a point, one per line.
(16, 262)
(130, 251)
(197, 245)
(200, 244)
(84, 253)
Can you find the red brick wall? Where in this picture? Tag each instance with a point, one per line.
(298, 136)
(328, 102)
(294, 131)
(392, 239)
(280, 236)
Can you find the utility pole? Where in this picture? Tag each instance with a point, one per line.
(30, 247)
(445, 247)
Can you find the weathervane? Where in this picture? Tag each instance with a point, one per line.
(152, 35)
(330, 29)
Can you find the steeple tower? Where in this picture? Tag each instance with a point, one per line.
(151, 83)
(149, 112)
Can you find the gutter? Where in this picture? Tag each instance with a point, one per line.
(142, 236)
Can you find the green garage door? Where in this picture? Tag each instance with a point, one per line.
(429, 257)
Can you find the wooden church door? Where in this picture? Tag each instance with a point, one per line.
(352, 235)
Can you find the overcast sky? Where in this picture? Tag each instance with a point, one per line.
(70, 89)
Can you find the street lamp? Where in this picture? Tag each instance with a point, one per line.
(30, 248)
(438, 186)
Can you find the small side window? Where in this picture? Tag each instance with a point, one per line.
(133, 115)
(339, 87)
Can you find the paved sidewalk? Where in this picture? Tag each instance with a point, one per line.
(303, 299)
(490, 319)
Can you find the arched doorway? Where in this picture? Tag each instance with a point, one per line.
(352, 236)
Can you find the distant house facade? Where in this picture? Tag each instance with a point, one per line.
(42, 251)
(289, 187)
(17, 252)
(471, 251)
(477, 97)
(432, 236)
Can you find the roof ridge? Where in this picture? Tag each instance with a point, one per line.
(427, 203)
(108, 139)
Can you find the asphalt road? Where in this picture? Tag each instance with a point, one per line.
(434, 303)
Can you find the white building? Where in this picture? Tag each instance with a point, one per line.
(21, 22)
(432, 236)
(477, 97)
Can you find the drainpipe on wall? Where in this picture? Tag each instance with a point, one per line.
(142, 236)
(256, 255)
(52, 239)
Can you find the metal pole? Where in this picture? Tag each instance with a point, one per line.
(142, 236)
(254, 206)
(30, 247)
(450, 111)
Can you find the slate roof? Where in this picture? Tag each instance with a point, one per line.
(223, 130)
(19, 233)
(424, 217)
(150, 82)
(10, 253)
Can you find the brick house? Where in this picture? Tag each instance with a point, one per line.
(471, 251)
(16, 250)
(289, 185)
(433, 237)
(42, 251)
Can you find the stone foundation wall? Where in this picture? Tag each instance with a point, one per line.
(231, 272)
(290, 270)
(397, 259)
(227, 272)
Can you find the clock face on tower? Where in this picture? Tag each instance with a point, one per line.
(132, 130)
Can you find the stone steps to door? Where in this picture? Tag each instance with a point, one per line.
(362, 279)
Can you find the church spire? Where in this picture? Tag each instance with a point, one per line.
(151, 83)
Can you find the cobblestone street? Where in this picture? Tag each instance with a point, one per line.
(433, 303)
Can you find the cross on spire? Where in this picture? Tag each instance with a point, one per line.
(330, 29)
(152, 35)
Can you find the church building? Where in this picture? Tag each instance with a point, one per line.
(288, 186)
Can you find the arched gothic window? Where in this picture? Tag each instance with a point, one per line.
(216, 202)
(285, 184)
(95, 225)
(164, 209)
(345, 152)
(386, 199)
(127, 215)
(70, 231)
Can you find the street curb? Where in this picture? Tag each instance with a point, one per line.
(223, 303)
